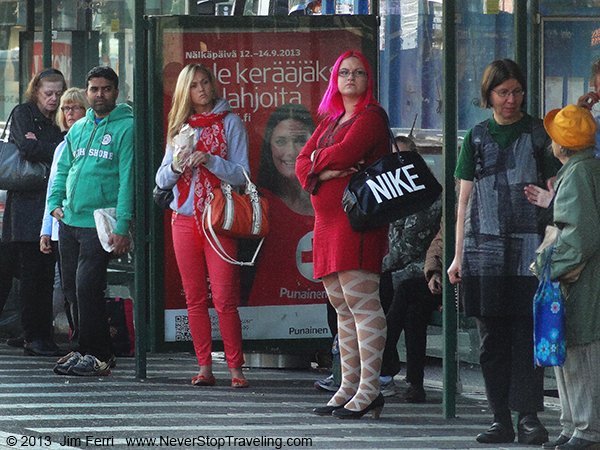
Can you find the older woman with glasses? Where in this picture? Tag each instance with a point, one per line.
(577, 214)
(73, 105)
(497, 233)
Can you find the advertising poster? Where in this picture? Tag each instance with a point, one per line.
(274, 80)
(61, 56)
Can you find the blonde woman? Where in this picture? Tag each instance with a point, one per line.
(218, 151)
(73, 105)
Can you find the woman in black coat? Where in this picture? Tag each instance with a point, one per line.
(34, 131)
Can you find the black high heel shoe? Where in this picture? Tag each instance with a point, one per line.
(376, 406)
(326, 410)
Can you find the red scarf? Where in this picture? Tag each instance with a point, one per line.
(212, 140)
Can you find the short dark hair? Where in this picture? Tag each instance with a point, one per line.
(103, 72)
(496, 73)
(406, 141)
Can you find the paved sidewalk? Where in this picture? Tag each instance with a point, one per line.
(40, 410)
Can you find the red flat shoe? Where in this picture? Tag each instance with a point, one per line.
(239, 383)
(201, 380)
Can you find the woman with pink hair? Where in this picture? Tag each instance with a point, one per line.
(354, 131)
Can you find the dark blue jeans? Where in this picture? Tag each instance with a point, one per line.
(83, 265)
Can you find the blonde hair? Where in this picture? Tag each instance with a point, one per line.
(71, 95)
(182, 107)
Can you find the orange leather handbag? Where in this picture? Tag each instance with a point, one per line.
(242, 216)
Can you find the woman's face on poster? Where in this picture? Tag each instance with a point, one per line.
(288, 138)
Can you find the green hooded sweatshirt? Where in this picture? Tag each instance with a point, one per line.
(96, 170)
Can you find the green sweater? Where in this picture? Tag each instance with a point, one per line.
(96, 170)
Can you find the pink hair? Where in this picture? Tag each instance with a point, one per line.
(332, 105)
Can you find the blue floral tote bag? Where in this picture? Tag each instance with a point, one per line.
(549, 347)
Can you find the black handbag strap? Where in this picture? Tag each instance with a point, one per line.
(7, 123)
(393, 143)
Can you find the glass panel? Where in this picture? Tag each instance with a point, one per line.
(562, 8)
(9, 58)
(570, 48)
(411, 60)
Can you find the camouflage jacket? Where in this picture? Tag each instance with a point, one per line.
(409, 239)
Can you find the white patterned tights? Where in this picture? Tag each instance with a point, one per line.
(361, 332)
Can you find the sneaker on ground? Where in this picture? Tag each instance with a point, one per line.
(66, 363)
(90, 366)
(387, 389)
(327, 384)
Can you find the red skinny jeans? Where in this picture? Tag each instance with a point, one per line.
(198, 263)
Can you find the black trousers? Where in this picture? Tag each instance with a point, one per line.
(83, 268)
(506, 359)
(36, 271)
(8, 271)
(409, 311)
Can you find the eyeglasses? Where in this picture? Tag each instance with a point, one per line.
(504, 93)
(358, 73)
(68, 109)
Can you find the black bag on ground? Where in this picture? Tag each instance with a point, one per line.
(395, 186)
(120, 324)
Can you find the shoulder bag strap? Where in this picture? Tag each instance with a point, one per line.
(477, 134)
(7, 123)
(213, 238)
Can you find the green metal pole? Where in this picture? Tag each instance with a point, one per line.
(30, 13)
(520, 22)
(47, 33)
(141, 193)
(535, 72)
(154, 156)
(449, 317)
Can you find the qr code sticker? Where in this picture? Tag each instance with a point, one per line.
(182, 329)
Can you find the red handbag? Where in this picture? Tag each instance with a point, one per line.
(242, 216)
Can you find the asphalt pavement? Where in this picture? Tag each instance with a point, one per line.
(41, 410)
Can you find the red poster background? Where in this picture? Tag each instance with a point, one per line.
(61, 59)
(258, 71)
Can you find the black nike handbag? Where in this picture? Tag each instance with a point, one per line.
(395, 186)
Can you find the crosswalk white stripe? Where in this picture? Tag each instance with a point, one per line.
(47, 372)
(169, 415)
(332, 425)
(180, 403)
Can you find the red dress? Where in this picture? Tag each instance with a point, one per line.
(336, 247)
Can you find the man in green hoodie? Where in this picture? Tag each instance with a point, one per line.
(94, 172)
